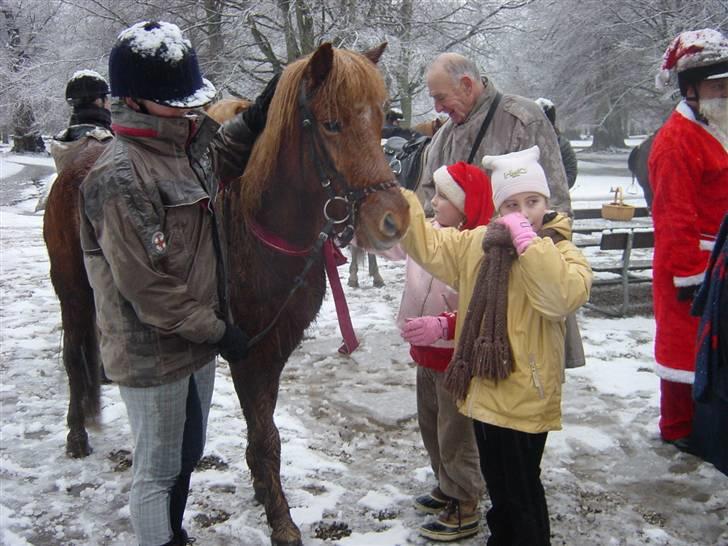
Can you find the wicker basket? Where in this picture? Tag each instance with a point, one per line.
(617, 211)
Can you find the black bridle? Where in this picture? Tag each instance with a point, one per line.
(327, 173)
(347, 196)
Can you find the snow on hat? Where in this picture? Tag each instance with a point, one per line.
(152, 60)
(548, 108)
(514, 173)
(86, 84)
(469, 190)
(695, 55)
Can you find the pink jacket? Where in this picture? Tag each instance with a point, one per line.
(424, 295)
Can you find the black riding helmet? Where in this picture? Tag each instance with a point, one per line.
(152, 60)
(86, 86)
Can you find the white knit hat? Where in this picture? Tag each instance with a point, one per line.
(514, 173)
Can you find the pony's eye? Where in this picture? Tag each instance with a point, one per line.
(332, 126)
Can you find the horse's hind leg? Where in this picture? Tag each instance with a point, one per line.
(77, 440)
(258, 391)
(80, 358)
(377, 279)
(354, 267)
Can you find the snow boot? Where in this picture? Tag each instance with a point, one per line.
(460, 519)
(433, 502)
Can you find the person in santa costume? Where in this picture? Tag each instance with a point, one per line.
(688, 169)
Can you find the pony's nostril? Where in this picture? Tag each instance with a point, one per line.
(388, 225)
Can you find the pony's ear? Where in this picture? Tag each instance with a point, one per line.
(320, 64)
(375, 53)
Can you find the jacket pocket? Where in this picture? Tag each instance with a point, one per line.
(535, 376)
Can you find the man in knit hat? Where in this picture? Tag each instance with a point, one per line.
(153, 254)
(462, 200)
(688, 171)
(458, 89)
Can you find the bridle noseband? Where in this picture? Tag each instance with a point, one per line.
(349, 197)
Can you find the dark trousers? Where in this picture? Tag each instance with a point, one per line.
(511, 464)
(192, 447)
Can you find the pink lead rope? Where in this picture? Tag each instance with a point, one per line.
(332, 258)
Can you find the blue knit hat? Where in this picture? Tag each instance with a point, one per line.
(152, 60)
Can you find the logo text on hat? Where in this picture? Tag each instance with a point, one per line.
(515, 173)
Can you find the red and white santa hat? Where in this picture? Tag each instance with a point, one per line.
(468, 188)
(704, 52)
(515, 173)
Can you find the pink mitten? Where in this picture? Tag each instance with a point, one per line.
(424, 331)
(521, 231)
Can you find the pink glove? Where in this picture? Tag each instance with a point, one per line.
(521, 231)
(424, 331)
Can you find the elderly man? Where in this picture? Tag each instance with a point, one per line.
(458, 89)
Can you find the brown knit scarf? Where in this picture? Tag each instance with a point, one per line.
(483, 349)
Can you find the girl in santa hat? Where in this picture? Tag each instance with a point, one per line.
(463, 200)
(517, 280)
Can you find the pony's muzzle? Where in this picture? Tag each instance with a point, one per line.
(389, 226)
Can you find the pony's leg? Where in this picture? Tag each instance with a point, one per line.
(73, 360)
(374, 271)
(257, 389)
(354, 267)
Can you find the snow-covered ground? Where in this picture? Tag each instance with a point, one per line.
(351, 455)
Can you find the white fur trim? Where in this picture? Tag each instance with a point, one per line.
(676, 376)
(707, 245)
(446, 184)
(692, 280)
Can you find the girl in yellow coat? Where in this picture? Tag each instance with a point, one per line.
(517, 280)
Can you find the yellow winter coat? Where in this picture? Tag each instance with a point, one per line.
(545, 284)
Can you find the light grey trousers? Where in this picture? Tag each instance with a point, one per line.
(449, 438)
(157, 416)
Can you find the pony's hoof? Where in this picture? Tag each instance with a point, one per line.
(77, 445)
(378, 282)
(353, 283)
(290, 541)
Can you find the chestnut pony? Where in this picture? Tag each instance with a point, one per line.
(317, 172)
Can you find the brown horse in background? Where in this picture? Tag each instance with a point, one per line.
(226, 109)
(61, 231)
(429, 128)
(316, 171)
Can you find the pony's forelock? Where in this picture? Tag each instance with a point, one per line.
(352, 82)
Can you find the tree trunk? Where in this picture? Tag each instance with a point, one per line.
(405, 60)
(26, 136)
(611, 133)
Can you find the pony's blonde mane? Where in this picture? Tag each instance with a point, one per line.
(353, 80)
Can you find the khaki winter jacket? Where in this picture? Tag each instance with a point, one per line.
(517, 124)
(75, 139)
(546, 283)
(147, 237)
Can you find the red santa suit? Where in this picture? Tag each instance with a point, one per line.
(689, 177)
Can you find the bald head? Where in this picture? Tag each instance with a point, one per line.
(455, 85)
(455, 65)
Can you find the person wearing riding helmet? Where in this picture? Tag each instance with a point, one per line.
(152, 248)
(87, 92)
(688, 170)
(391, 125)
